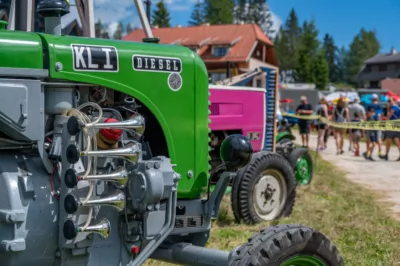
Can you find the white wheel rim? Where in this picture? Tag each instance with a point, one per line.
(269, 194)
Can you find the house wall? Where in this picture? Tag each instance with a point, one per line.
(264, 53)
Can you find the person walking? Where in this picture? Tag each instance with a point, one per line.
(356, 135)
(321, 110)
(378, 110)
(372, 135)
(356, 109)
(340, 114)
(304, 125)
(393, 114)
(329, 130)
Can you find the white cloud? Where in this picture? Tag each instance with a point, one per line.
(276, 23)
(110, 11)
(112, 27)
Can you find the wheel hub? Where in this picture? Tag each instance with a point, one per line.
(302, 170)
(301, 260)
(269, 195)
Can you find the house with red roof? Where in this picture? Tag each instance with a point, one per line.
(227, 50)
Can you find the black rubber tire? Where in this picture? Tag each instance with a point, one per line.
(295, 155)
(275, 245)
(247, 177)
(284, 140)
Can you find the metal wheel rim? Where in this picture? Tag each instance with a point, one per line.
(303, 173)
(269, 209)
(302, 260)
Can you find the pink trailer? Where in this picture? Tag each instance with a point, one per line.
(239, 110)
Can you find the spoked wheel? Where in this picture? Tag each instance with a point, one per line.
(302, 164)
(264, 190)
(287, 245)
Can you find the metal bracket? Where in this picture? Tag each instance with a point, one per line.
(86, 15)
(143, 18)
(212, 207)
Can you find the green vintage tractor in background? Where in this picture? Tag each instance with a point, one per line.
(103, 157)
(299, 158)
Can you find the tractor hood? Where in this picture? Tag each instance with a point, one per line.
(20, 50)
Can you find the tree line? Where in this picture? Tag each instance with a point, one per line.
(302, 56)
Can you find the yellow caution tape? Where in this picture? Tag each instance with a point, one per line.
(388, 125)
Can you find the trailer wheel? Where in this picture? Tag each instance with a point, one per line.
(287, 245)
(264, 190)
(302, 164)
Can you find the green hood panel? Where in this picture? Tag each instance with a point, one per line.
(182, 113)
(20, 50)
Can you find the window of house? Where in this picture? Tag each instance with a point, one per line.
(219, 51)
(217, 76)
(374, 84)
(382, 67)
(368, 68)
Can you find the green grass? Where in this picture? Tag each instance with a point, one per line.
(347, 213)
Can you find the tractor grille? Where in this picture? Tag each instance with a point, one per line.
(270, 101)
(188, 221)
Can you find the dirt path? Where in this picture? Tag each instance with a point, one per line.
(382, 176)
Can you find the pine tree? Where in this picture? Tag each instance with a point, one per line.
(128, 28)
(304, 71)
(241, 11)
(293, 30)
(364, 45)
(98, 27)
(260, 14)
(309, 42)
(101, 30)
(289, 38)
(161, 16)
(320, 69)
(343, 57)
(219, 11)
(331, 57)
(119, 32)
(307, 51)
(281, 44)
(198, 17)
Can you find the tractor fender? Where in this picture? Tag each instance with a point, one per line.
(284, 135)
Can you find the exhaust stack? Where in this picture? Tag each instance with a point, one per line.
(52, 11)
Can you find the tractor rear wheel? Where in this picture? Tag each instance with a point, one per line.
(264, 190)
(287, 245)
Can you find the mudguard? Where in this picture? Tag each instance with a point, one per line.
(284, 135)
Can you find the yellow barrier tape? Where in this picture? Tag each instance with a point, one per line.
(388, 125)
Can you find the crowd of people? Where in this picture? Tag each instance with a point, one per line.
(354, 111)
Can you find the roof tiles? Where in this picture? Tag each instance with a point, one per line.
(241, 37)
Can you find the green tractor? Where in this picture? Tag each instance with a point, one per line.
(103, 157)
(299, 158)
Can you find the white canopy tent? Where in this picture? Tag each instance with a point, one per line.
(351, 95)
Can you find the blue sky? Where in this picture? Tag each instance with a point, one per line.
(341, 18)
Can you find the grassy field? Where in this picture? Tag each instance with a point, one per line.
(347, 213)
